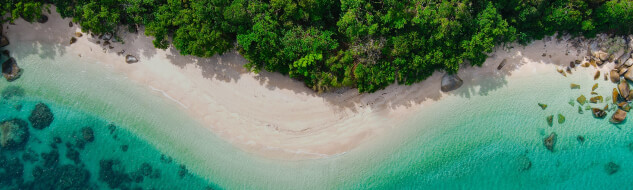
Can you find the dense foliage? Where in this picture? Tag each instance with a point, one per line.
(367, 44)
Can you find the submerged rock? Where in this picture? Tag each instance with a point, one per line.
(550, 120)
(41, 117)
(112, 172)
(88, 134)
(611, 168)
(14, 134)
(580, 110)
(524, 163)
(10, 70)
(73, 155)
(132, 59)
(581, 99)
(561, 119)
(598, 113)
(145, 169)
(543, 106)
(11, 92)
(451, 82)
(574, 86)
(596, 99)
(550, 141)
(72, 177)
(596, 76)
(618, 117)
(594, 87)
(580, 138)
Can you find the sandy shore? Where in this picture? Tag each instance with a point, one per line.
(273, 115)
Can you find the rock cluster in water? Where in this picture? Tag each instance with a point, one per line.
(41, 117)
(14, 133)
(602, 49)
(56, 167)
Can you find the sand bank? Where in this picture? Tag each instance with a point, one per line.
(270, 114)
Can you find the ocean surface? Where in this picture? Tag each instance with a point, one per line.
(486, 135)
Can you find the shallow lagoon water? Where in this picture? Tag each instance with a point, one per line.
(485, 135)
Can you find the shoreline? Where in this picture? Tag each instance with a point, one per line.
(235, 104)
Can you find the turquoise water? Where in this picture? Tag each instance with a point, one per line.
(486, 135)
(135, 163)
(482, 139)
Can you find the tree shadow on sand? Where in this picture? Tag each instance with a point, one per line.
(477, 81)
(229, 68)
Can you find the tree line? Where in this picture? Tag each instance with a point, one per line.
(327, 44)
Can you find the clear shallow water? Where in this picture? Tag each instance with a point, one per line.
(113, 158)
(481, 136)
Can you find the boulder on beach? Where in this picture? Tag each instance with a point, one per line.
(603, 56)
(14, 133)
(598, 113)
(451, 82)
(4, 41)
(107, 36)
(614, 76)
(618, 116)
(550, 141)
(41, 117)
(622, 58)
(629, 75)
(628, 63)
(73, 40)
(10, 70)
(574, 86)
(503, 63)
(133, 59)
(70, 24)
(42, 19)
(572, 64)
(78, 34)
(624, 89)
(623, 71)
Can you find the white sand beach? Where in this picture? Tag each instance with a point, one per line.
(272, 115)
